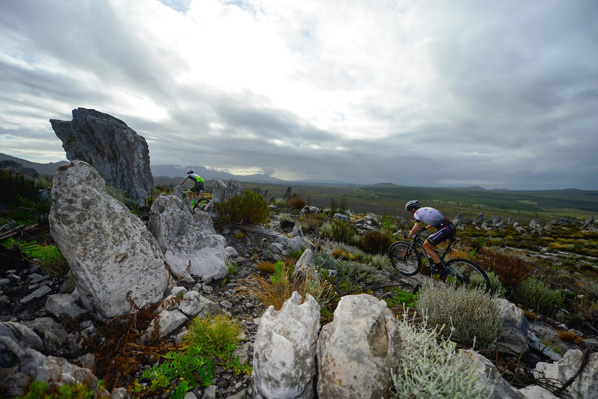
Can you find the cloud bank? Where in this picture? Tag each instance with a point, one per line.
(427, 93)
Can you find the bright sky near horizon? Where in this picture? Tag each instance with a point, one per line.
(500, 94)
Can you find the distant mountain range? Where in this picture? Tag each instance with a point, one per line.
(48, 169)
(44, 169)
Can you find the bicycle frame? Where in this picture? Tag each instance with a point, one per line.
(418, 242)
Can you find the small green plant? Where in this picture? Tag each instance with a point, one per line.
(431, 367)
(472, 315)
(43, 390)
(232, 268)
(534, 294)
(400, 299)
(210, 341)
(250, 208)
(388, 225)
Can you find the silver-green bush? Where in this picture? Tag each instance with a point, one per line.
(535, 295)
(431, 367)
(472, 315)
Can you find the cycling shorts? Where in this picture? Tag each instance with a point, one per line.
(446, 230)
(197, 187)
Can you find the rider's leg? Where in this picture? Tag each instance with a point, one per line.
(429, 248)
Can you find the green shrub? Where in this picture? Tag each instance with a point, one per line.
(251, 209)
(472, 315)
(534, 294)
(375, 242)
(15, 185)
(431, 367)
(339, 231)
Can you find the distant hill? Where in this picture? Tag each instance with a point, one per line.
(210, 174)
(44, 169)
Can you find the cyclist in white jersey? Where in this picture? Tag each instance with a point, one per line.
(432, 218)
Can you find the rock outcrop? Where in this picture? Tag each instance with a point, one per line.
(111, 253)
(115, 150)
(357, 350)
(284, 364)
(186, 237)
(585, 385)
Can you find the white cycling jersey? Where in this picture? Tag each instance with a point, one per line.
(429, 216)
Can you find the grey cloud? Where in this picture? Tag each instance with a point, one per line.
(90, 36)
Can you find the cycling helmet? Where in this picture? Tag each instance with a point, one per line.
(190, 171)
(413, 204)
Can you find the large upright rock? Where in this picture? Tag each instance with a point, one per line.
(358, 349)
(115, 150)
(109, 250)
(186, 237)
(284, 364)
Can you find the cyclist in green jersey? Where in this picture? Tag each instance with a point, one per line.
(198, 184)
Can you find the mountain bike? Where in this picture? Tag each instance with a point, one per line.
(406, 257)
(200, 201)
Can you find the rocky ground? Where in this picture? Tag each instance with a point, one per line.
(24, 290)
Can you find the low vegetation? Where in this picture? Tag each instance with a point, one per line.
(471, 316)
(48, 256)
(431, 366)
(210, 342)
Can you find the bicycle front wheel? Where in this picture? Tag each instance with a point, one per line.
(468, 274)
(201, 203)
(404, 258)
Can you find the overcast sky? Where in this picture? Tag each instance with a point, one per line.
(501, 94)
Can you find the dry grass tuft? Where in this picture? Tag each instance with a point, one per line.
(569, 336)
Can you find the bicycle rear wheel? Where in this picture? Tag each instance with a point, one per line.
(405, 259)
(466, 273)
